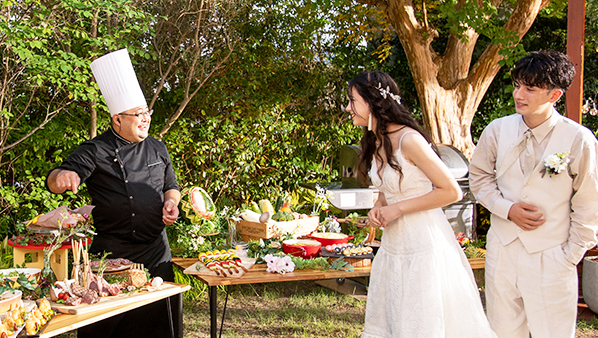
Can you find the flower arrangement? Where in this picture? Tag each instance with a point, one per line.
(278, 264)
(330, 224)
(462, 239)
(472, 249)
(556, 163)
(320, 200)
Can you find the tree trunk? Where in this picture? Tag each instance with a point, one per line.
(448, 90)
(93, 124)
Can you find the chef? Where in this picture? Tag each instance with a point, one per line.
(133, 187)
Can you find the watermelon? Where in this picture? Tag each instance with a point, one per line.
(197, 204)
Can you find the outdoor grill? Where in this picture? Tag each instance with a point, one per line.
(349, 194)
(460, 214)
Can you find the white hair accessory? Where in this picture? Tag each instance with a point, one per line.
(386, 92)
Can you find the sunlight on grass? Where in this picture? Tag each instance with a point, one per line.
(290, 309)
(584, 325)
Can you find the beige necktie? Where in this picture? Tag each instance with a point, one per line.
(527, 157)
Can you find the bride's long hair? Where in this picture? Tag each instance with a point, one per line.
(386, 111)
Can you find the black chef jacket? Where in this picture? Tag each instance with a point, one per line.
(126, 181)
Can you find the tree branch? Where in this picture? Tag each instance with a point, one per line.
(49, 116)
(520, 21)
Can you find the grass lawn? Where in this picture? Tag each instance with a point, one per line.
(293, 309)
(290, 309)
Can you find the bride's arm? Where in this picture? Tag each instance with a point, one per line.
(446, 190)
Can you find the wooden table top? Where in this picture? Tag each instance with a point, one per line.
(62, 323)
(258, 274)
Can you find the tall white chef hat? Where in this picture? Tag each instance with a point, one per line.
(118, 82)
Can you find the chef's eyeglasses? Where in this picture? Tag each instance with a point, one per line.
(147, 113)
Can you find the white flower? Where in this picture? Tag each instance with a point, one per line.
(286, 265)
(556, 163)
(386, 92)
(269, 258)
(330, 224)
(280, 265)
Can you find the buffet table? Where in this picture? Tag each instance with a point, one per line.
(62, 323)
(258, 274)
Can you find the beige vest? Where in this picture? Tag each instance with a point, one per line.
(552, 195)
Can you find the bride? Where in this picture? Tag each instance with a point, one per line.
(421, 284)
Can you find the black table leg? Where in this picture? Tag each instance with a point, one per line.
(213, 312)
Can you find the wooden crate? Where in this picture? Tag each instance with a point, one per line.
(272, 229)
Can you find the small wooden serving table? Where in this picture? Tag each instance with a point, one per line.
(258, 274)
(62, 323)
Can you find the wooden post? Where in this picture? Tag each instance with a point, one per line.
(575, 50)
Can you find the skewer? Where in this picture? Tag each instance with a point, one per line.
(76, 266)
(239, 264)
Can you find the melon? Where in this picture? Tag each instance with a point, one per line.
(197, 204)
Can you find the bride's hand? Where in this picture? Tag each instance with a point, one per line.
(388, 214)
(373, 217)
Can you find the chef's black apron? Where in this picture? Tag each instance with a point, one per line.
(151, 320)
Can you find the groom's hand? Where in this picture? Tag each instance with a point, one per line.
(526, 216)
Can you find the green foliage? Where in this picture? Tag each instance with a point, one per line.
(47, 88)
(587, 325)
(21, 203)
(47, 64)
(248, 158)
(318, 263)
(6, 254)
(473, 252)
(198, 289)
(188, 239)
(341, 264)
(22, 283)
(484, 18)
(263, 247)
(272, 120)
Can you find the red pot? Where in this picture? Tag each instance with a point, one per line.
(329, 238)
(305, 248)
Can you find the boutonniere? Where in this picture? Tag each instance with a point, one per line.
(556, 163)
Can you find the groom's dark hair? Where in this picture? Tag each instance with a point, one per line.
(544, 69)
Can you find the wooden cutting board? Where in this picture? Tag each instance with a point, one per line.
(199, 269)
(113, 301)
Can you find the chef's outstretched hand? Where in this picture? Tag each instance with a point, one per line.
(170, 212)
(65, 180)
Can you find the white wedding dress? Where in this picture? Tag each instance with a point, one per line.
(421, 284)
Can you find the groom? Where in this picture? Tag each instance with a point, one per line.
(544, 218)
